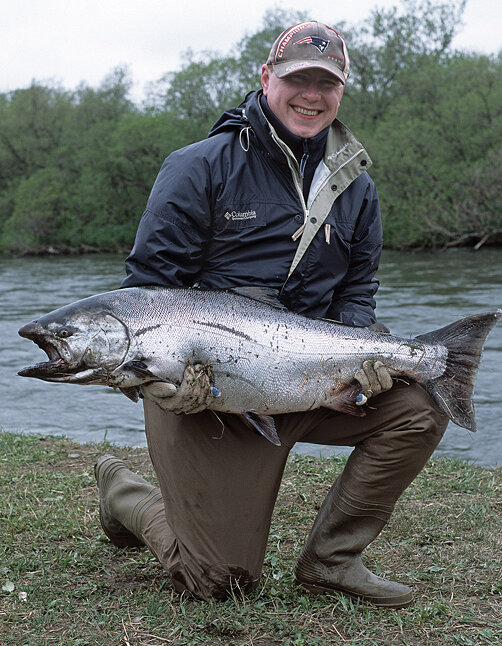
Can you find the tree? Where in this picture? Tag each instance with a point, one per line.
(437, 153)
(49, 140)
(31, 125)
(41, 219)
(394, 40)
(210, 83)
(76, 167)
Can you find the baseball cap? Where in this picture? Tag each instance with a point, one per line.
(307, 45)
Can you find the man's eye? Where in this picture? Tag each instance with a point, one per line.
(330, 85)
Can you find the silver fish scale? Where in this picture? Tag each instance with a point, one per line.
(263, 358)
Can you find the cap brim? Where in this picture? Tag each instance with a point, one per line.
(290, 67)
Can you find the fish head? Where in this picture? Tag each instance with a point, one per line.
(83, 345)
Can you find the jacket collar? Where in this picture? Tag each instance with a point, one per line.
(299, 145)
(341, 145)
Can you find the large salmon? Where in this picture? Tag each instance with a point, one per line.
(264, 359)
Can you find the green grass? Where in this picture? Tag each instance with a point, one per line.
(444, 539)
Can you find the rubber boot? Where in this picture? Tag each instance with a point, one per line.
(331, 558)
(124, 496)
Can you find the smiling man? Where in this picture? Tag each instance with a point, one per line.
(305, 102)
(305, 98)
(278, 196)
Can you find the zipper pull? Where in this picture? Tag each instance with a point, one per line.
(327, 231)
(305, 157)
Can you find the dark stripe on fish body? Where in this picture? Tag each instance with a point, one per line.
(144, 330)
(224, 328)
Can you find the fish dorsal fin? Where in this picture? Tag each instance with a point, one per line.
(266, 295)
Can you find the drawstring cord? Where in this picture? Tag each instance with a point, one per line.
(327, 233)
(298, 232)
(245, 130)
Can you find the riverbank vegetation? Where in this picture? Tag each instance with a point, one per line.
(76, 166)
(63, 583)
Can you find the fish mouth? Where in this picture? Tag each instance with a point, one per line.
(58, 369)
(60, 365)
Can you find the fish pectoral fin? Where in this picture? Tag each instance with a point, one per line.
(264, 424)
(345, 401)
(132, 392)
(140, 369)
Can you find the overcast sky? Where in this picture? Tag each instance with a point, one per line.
(69, 41)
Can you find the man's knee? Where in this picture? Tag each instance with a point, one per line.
(426, 415)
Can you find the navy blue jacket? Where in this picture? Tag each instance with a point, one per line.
(229, 211)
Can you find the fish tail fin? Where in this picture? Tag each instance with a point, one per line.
(464, 341)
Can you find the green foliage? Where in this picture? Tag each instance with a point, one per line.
(437, 153)
(392, 41)
(76, 167)
(208, 83)
(32, 123)
(41, 212)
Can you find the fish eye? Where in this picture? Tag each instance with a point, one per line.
(64, 332)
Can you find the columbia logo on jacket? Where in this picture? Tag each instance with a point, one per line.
(240, 215)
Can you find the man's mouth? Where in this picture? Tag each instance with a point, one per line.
(308, 113)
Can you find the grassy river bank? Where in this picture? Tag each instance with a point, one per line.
(62, 582)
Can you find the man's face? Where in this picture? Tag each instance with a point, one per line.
(306, 102)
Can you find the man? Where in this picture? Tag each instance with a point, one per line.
(277, 196)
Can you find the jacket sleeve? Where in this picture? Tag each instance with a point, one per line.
(169, 245)
(353, 302)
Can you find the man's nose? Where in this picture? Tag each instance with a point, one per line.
(311, 91)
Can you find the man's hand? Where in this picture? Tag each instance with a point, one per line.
(193, 395)
(375, 378)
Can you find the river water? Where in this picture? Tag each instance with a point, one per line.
(419, 292)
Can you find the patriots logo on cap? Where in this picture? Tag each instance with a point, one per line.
(318, 42)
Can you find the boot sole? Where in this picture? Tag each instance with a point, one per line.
(397, 602)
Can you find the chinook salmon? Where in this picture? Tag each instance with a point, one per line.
(263, 359)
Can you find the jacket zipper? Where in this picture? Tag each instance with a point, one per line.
(299, 231)
(327, 227)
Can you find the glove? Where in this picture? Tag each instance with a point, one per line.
(374, 377)
(194, 394)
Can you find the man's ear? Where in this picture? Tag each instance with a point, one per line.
(265, 78)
